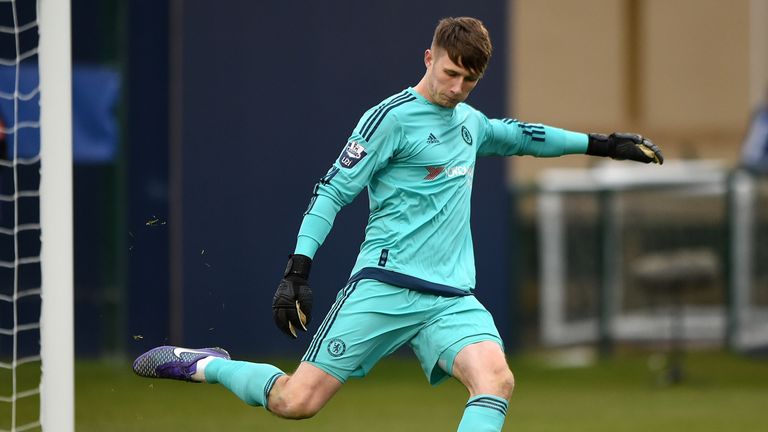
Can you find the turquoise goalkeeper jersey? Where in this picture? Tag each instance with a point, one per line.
(417, 160)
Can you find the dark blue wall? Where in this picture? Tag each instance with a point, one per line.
(146, 160)
(271, 92)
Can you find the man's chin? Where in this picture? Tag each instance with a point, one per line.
(449, 103)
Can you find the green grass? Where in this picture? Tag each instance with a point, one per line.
(722, 392)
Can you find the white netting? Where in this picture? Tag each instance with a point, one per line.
(20, 293)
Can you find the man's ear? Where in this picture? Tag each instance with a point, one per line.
(428, 58)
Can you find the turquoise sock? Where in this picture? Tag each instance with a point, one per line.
(251, 382)
(484, 413)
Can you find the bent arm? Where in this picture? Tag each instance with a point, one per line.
(346, 178)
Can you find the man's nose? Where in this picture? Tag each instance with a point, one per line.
(457, 84)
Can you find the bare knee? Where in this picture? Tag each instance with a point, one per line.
(303, 394)
(483, 369)
(496, 381)
(506, 383)
(293, 406)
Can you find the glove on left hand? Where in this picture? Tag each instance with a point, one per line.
(622, 146)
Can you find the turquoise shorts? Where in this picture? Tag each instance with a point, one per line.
(370, 320)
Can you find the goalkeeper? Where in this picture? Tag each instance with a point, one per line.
(414, 279)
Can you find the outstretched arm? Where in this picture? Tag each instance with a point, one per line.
(510, 137)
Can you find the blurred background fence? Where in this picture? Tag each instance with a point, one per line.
(625, 253)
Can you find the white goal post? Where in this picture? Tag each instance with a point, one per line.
(57, 396)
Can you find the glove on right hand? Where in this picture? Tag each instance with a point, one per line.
(292, 303)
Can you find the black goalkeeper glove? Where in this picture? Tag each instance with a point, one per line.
(292, 304)
(624, 146)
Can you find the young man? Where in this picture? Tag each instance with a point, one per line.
(414, 278)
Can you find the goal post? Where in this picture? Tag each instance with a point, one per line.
(57, 397)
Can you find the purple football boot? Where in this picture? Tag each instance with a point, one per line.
(174, 362)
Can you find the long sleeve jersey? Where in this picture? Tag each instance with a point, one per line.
(417, 160)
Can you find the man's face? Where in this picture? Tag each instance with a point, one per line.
(447, 83)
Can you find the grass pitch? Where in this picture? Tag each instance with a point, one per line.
(722, 392)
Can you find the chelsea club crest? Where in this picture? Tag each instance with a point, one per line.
(336, 347)
(465, 135)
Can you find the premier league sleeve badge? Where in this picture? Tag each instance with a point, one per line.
(352, 154)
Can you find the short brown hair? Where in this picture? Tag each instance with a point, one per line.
(466, 41)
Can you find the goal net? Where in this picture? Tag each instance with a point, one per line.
(36, 340)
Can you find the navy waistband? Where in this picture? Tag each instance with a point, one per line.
(409, 282)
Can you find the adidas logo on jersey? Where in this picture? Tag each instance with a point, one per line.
(432, 139)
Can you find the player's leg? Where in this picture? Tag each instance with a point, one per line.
(297, 396)
(462, 341)
(300, 395)
(482, 368)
